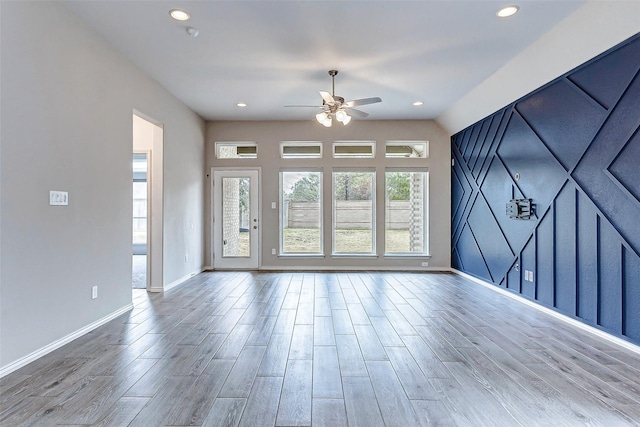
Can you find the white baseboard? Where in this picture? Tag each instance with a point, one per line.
(560, 316)
(177, 282)
(7, 369)
(351, 268)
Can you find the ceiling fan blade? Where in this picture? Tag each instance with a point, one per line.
(363, 101)
(356, 113)
(328, 99)
(305, 106)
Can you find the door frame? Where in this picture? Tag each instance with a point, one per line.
(213, 214)
(155, 199)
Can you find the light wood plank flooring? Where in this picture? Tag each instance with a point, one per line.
(328, 349)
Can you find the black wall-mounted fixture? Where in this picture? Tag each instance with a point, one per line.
(519, 209)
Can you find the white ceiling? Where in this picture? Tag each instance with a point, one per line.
(274, 53)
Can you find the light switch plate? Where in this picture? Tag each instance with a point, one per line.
(58, 198)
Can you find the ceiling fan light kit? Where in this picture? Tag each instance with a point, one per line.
(324, 119)
(335, 106)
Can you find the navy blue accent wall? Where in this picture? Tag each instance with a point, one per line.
(574, 145)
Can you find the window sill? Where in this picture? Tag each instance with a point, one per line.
(301, 256)
(407, 255)
(354, 256)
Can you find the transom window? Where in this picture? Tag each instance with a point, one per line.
(407, 149)
(354, 149)
(236, 150)
(301, 150)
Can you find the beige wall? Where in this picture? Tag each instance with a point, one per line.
(66, 124)
(268, 135)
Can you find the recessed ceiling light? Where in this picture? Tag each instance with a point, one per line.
(508, 11)
(418, 103)
(179, 15)
(241, 104)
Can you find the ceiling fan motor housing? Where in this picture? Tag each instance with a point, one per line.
(333, 108)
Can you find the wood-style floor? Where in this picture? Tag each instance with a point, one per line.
(328, 349)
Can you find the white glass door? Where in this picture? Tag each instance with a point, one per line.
(236, 219)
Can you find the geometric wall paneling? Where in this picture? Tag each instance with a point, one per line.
(575, 144)
(477, 146)
(487, 143)
(470, 255)
(561, 113)
(498, 188)
(606, 78)
(471, 143)
(592, 173)
(463, 142)
(545, 265)
(609, 277)
(514, 277)
(565, 266)
(522, 152)
(631, 294)
(528, 263)
(625, 167)
(490, 239)
(460, 193)
(587, 256)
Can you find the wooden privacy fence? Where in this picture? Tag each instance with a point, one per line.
(350, 214)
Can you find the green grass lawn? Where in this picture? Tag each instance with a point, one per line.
(307, 240)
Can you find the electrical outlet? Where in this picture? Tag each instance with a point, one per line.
(273, 251)
(425, 264)
(94, 292)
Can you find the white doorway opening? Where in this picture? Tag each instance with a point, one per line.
(147, 218)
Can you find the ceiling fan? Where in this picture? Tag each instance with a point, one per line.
(335, 106)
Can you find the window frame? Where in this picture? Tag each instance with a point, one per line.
(373, 252)
(284, 144)
(401, 143)
(425, 208)
(371, 144)
(235, 144)
(281, 252)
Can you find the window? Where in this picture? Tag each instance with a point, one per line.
(419, 149)
(236, 150)
(406, 223)
(140, 203)
(354, 149)
(354, 212)
(301, 212)
(300, 150)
